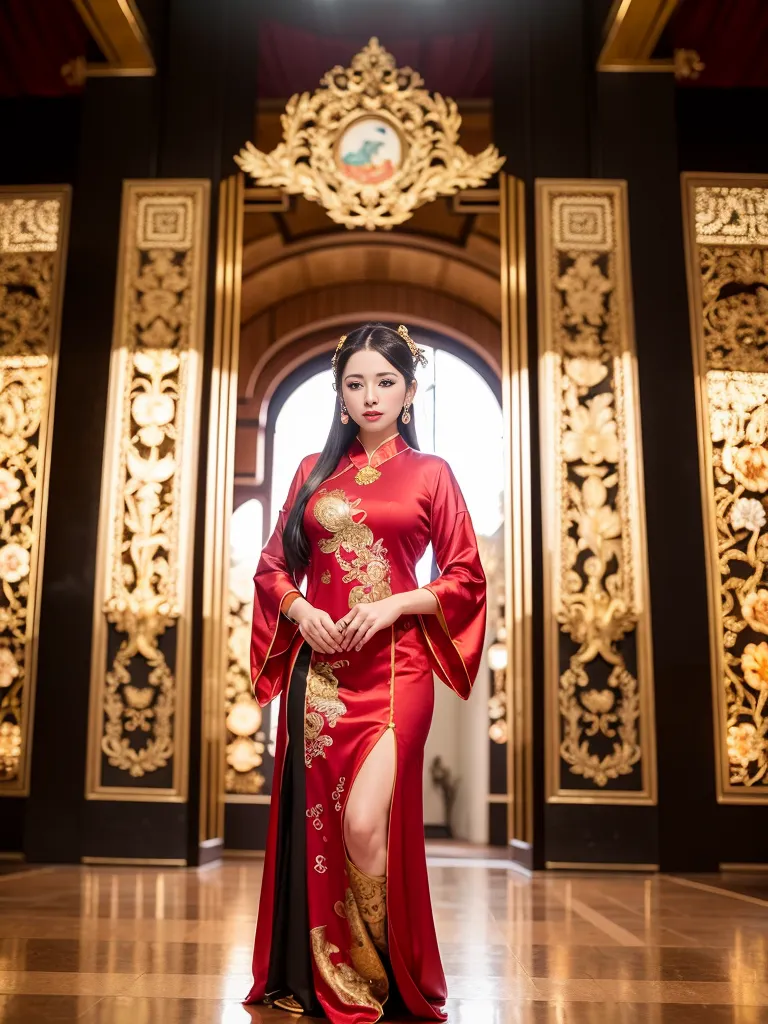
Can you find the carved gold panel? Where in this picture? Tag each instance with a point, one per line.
(600, 739)
(727, 261)
(139, 711)
(33, 242)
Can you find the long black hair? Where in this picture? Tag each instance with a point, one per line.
(379, 338)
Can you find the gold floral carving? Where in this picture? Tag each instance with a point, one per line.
(731, 215)
(738, 416)
(601, 716)
(322, 706)
(139, 720)
(429, 162)
(29, 225)
(733, 287)
(370, 567)
(246, 740)
(728, 272)
(30, 278)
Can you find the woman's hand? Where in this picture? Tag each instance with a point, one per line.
(317, 627)
(365, 619)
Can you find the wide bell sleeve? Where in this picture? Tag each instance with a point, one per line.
(455, 634)
(272, 633)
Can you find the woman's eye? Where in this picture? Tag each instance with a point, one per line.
(389, 383)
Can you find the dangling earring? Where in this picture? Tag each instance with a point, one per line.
(406, 417)
(344, 414)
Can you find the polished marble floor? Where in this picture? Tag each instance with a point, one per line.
(103, 945)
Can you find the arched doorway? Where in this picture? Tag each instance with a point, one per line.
(296, 300)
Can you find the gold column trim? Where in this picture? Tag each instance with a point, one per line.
(726, 236)
(632, 30)
(517, 510)
(222, 424)
(599, 709)
(121, 35)
(137, 862)
(34, 225)
(140, 660)
(573, 865)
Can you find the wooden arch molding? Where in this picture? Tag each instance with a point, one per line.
(295, 307)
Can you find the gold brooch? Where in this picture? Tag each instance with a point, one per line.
(366, 475)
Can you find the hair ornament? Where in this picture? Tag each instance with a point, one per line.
(416, 352)
(335, 358)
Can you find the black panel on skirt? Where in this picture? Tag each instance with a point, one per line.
(290, 965)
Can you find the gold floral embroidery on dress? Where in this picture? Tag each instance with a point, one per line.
(363, 954)
(343, 980)
(322, 706)
(326, 577)
(370, 893)
(370, 567)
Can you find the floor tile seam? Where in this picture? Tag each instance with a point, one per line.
(604, 924)
(725, 893)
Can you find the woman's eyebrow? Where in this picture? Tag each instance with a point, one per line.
(386, 373)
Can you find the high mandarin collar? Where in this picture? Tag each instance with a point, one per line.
(386, 450)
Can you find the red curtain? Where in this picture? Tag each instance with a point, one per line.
(730, 36)
(292, 59)
(37, 37)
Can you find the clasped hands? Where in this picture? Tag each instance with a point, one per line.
(351, 631)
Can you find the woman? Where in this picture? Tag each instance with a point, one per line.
(345, 921)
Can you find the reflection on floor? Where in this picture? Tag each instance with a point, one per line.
(147, 946)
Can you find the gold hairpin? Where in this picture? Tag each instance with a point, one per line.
(334, 360)
(416, 352)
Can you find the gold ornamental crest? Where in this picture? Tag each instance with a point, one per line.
(371, 145)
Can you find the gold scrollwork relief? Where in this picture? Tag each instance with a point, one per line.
(140, 664)
(727, 226)
(32, 246)
(371, 145)
(600, 739)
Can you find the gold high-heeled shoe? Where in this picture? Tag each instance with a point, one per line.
(289, 1004)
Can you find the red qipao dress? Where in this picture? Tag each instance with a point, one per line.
(368, 524)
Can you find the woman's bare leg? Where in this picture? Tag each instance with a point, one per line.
(366, 815)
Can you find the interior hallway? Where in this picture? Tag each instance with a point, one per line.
(148, 946)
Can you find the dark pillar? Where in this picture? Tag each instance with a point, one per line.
(117, 141)
(556, 116)
(636, 139)
(185, 123)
